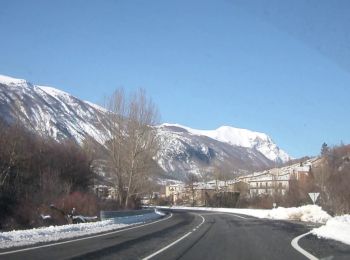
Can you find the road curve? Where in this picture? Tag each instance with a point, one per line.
(231, 236)
(191, 235)
(125, 244)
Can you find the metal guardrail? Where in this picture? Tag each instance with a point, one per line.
(124, 213)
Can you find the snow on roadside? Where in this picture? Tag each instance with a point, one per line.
(337, 228)
(259, 213)
(55, 233)
(307, 213)
(160, 213)
(18, 238)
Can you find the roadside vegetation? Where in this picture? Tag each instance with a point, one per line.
(36, 171)
(332, 178)
(43, 180)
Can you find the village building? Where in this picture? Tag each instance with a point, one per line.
(271, 182)
(277, 181)
(239, 185)
(199, 193)
(175, 192)
(268, 184)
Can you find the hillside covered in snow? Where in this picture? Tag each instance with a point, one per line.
(242, 138)
(51, 111)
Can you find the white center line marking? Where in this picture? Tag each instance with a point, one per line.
(175, 242)
(301, 250)
(84, 238)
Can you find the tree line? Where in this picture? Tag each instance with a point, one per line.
(36, 171)
(332, 176)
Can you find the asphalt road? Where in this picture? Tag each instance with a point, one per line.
(193, 235)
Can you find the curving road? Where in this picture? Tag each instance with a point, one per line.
(192, 235)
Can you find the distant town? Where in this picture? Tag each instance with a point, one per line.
(272, 183)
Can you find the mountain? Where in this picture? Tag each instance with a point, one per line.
(190, 150)
(183, 150)
(51, 111)
(243, 138)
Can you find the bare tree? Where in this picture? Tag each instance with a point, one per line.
(10, 143)
(222, 171)
(133, 142)
(190, 181)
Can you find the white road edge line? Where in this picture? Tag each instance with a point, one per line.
(176, 241)
(236, 215)
(225, 213)
(301, 250)
(84, 238)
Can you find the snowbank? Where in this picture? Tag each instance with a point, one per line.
(337, 228)
(308, 213)
(55, 233)
(259, 213)
(160, 213)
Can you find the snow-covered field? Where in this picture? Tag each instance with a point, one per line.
(55, 233)
(337, 228)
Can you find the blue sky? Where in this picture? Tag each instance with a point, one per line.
(279, 67)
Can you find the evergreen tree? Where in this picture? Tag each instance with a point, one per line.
(324, 150)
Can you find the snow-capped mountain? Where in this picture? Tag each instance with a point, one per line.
(243, 138)
(60, 115)
(51, 111)
(190, 150)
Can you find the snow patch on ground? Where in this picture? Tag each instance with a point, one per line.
(337, 228)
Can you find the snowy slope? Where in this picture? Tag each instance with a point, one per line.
(12, 81)
(243, 138)
(51, 111)
(185, 150)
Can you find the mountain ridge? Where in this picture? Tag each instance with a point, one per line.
(183, 149)
(239, 137)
